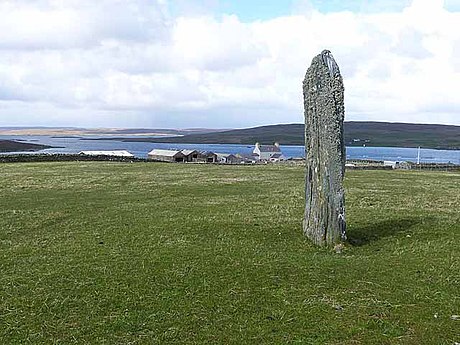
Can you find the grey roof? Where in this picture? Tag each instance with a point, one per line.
(225, 155)
(116, 153)
(188, 152)
(269, 148)
(165, 153)
(248, 156)
(207, 153)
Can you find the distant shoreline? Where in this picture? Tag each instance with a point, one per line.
(356, 134)
(166, 140)
(17, 146)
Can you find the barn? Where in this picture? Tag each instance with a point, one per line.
(167, 155)
(206, 157)
(227, 158)
(116, 153)
(190, 155)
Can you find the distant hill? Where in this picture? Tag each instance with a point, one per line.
(81, 132)
(13, 146)
(356, 134)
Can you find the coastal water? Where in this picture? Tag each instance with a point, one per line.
(140, 149)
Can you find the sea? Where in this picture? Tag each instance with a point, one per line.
(141, 149)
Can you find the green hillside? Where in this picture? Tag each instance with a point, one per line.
(137, 253)
(356, 134)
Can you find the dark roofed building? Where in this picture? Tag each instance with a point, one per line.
(227, 158)
(207, 157)
(166, 155)
(190, 155)
(268, 152)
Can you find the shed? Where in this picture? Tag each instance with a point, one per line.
(248, 158)
(118, 153)
(190, 155)
(167, 155)
(392, 164)
(227, 158)
(207, 157)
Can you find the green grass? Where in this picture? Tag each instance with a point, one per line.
(144, 253)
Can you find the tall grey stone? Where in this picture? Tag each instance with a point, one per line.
(323, 91)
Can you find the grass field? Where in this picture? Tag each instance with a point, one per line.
(145, 253)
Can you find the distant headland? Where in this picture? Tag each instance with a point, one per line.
(17, 146)
(372, 134)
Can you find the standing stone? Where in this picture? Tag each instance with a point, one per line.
(323, 91)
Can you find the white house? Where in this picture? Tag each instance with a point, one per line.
(268, 152)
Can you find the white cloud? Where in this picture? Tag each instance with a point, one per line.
(130, 63)
(79, 24)
(410, 44)
(207, 44)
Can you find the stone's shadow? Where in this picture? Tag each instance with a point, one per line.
(362, 235)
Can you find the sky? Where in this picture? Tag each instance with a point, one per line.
(223, 63)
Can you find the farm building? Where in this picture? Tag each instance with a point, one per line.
(119, 153)
(190, 155)
(247, 158)
(167, 155)
(268, 152)
(183, 156)
(277, 157)
(392, 164)
(206, 157)
(227, 158)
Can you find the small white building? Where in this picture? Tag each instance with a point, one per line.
(392, 164)
(119, 153)
(268, 152)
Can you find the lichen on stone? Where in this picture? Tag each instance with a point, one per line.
(323, 90)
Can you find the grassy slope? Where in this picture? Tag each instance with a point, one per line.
(155, 253)
(378, 134)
